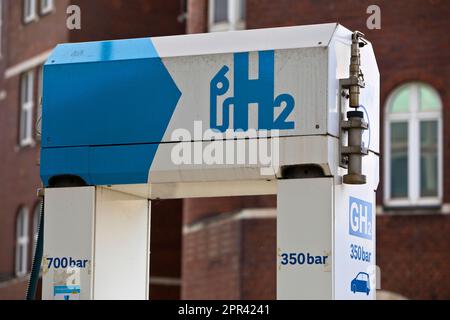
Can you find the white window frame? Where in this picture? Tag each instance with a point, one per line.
(47, 6)
(233, 23)
(413, 118)
(26, 109)
(22, 241)
(29, 14)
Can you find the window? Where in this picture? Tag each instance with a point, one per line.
(413, 162)
(39, 103)
(36, 219)
(29, 10)
(46, 6)
(26, 110)
(226, 15)
(22, 242)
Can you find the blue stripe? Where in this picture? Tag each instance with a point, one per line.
(100, 94)
(66, 289)
(101, 51)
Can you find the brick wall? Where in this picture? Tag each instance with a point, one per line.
(14, 290)
(224, 256)
(202, 208)
(259, 238)
(229, 256)
(211, 261)
(413, 254)
(120, 19)
(19, 169)
(165, 247)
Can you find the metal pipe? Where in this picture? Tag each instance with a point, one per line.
(355, 123)
(355, 64)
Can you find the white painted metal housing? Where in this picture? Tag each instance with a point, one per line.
(309, 62)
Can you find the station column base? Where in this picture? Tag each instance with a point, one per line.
(96, 245)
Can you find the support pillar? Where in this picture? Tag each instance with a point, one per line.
(325, 240)
(96, 244)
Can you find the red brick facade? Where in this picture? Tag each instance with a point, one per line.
(412, 247)
(413, 254)
(120, 19)
(19, 171)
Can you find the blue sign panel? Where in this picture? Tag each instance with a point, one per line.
(360, 218)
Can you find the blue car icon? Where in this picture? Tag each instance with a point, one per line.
(360, 283)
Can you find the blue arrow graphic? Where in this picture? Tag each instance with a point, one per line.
(106, 107)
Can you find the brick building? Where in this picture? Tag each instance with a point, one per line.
(29, 31)
(224, 248)
(413, 225)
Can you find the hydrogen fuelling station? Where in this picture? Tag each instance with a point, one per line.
(290, 111)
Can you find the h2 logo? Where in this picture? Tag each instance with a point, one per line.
(246, 91)
(360, 218)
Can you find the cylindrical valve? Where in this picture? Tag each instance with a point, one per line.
(355, 71)
(355, 149)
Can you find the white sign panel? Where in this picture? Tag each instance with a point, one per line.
(355, 272)
(304, 238)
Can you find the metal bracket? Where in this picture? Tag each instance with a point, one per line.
(348, 82)
(345, 150)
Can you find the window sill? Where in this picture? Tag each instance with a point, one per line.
(26, 145)
(21, 276)
(226, 26)
(48, 11)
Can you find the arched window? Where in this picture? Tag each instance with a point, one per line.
(22, 240)
(413, 146)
